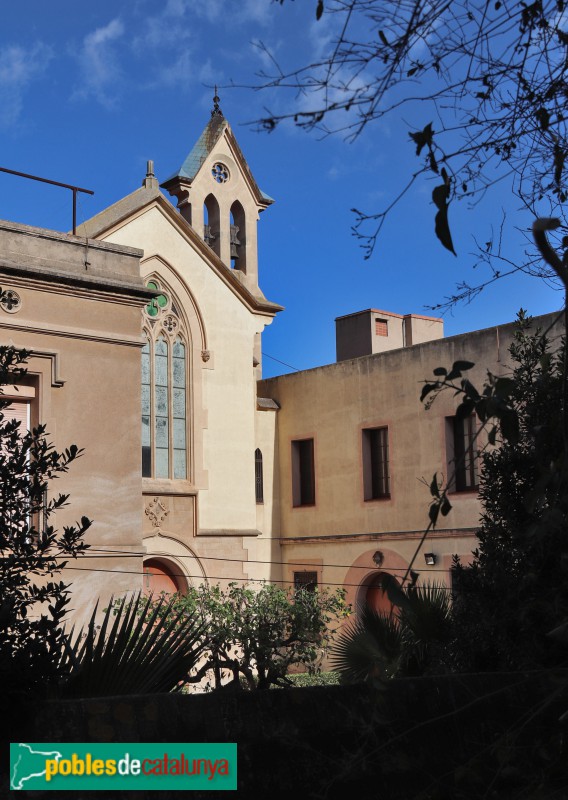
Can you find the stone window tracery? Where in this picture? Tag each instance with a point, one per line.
(164, 390)
(220, 172)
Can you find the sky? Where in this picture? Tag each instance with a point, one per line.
(90, 92)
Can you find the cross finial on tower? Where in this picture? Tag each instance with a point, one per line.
(216, 109)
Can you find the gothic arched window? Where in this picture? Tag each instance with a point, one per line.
(238, 237)
(258, 476)
(211, 223)
(164, 390)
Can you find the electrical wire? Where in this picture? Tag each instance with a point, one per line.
(293, 563)
(281, 362)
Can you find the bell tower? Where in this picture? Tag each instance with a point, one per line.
(219, 197)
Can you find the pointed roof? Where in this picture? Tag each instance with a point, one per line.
(204, 145)
(149, 196)
(212, 132)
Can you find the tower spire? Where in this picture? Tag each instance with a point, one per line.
(216, 108)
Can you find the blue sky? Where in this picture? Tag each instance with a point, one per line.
(89, 92)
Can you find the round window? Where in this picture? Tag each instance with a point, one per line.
(220, 172)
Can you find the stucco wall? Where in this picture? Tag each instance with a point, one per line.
(333, 404)
(80, 317)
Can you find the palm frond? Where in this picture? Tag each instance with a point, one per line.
(370, 647)
(146, 649)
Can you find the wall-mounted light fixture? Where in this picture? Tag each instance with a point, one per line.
(378, 558)
(430, 559)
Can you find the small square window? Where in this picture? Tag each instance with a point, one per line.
(306, 580)
(376, 478)
(303, 475)
(381, 327)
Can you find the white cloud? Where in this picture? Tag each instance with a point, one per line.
(160, 30)
(258, 11)
(19, 66)
(100, 68)
(233, 13)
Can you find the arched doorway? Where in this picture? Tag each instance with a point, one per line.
(375, 595)
(160, 576)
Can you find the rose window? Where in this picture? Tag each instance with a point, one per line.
(220, 173)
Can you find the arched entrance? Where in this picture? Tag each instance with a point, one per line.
(375, 595)
(160, 576)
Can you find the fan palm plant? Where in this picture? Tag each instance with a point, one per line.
(376, 646)
(146, 648)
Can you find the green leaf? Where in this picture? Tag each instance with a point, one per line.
(421, 138)
(434, 488)
(426, 389)
(510, 426)
(441, 224)
(440, 371)
(433, 513)
(504, 387)
(463, 366)
(394, 592)
(465, 409)
(319, 9)
(446, 506)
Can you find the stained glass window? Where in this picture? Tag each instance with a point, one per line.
(164, 391)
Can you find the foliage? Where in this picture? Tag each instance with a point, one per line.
(485, 82)
(32, 552)
(261, 633)
(148, 648)
(305, 679)
(515, 592)
(377, 646)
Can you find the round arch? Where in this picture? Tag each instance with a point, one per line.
(177, 557)
(372, 593)
(364, 571)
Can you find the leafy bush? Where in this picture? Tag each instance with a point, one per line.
(260, 633)
(33, 601)
(315, 679)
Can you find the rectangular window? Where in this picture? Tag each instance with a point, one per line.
(376, 479)
(306, 580)
(381, 327)
(303, 475)
(19, 507)
(258, 476)
(462, 454)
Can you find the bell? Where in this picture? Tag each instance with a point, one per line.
(208, 235)
(234, 241)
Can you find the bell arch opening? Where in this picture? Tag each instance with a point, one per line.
(238, 237)
(211, 223)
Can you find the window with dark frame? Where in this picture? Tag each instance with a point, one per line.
(464, 460)
(306, 580)
(303, 475)
(258, 476)
(376, 478)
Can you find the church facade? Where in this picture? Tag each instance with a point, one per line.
(145, 337)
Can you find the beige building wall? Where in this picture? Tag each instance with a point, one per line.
(207, 526)
(79, 315)
(373, 331)
(341, 532)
